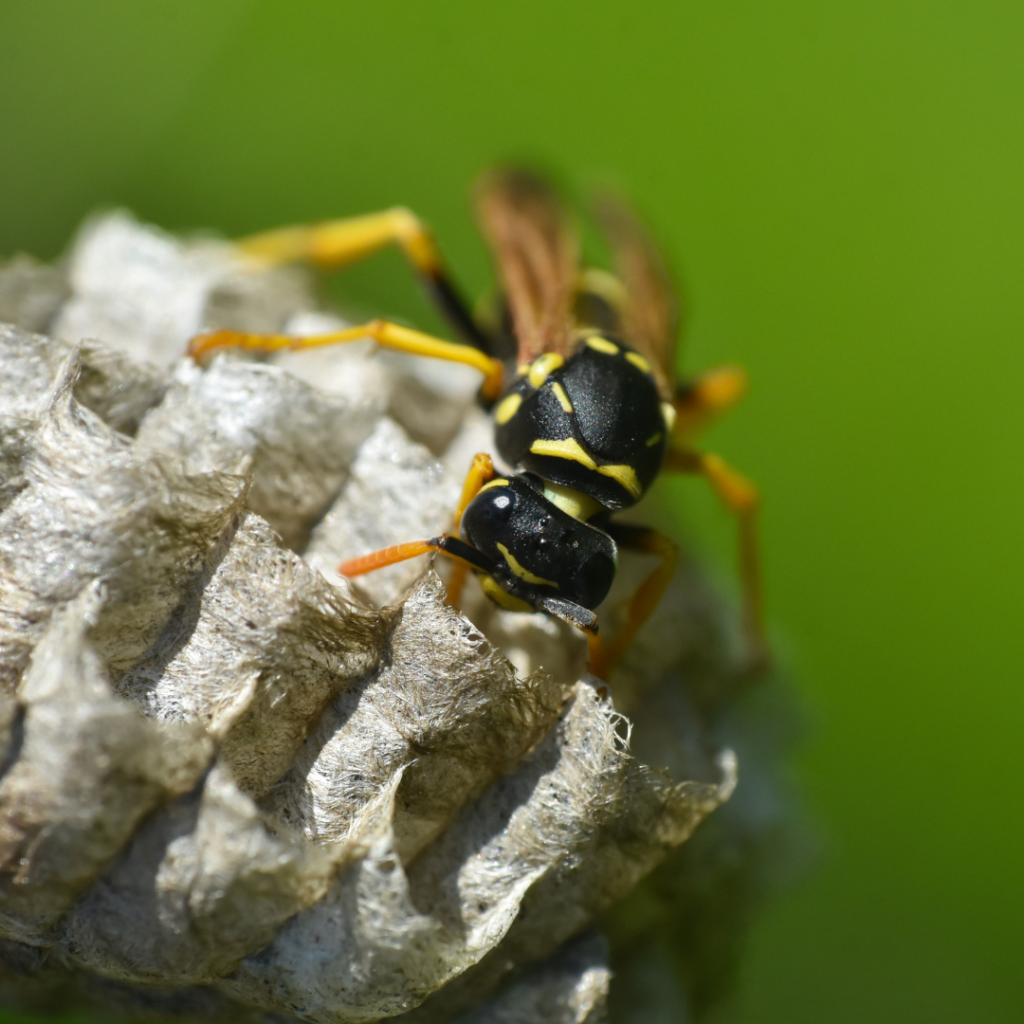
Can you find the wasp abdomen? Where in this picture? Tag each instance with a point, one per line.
(592, 422)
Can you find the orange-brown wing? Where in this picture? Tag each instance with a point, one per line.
(650, 319)
(536, 258)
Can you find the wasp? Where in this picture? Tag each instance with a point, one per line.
(579, 371)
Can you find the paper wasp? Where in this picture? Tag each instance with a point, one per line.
(580, 373)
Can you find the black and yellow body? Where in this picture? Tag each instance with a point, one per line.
(589, 433)
(579, 375)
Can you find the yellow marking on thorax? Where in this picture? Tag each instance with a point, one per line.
(507, 408)
(577, 504)
(571, 449)
(638, 361)
(599, 344)
(502, 597)
(524, 574)
(563, 398)
(625, 475)
(668, 414)
(542, 366)
(499, 482)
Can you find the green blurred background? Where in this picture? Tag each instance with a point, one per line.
(841, 184)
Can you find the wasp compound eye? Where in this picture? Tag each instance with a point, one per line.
(594, 579)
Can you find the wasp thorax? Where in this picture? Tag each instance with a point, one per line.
(592, 422)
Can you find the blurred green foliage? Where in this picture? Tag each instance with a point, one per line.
(842, 186)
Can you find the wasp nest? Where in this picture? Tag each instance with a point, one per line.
(235, 785)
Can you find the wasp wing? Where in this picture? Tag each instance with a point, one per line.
(536, 257)
(650, 317)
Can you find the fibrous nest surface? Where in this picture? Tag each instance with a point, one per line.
(232, 783)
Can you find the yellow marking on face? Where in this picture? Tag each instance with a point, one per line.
(653, 439)
(571, 449)
(668, 414)
(638, 361)
(507, 408)
(563, 398)
(603, 345)
(625, 475)
(577, 504)
(522, 573)
(500, 482)
(503, 597)
(542, 366)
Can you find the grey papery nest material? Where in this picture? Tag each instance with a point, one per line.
(233, 784)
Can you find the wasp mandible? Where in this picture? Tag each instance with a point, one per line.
(580, 374)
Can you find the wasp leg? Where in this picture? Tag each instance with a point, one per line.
(385, 333)
(333, 244)
(597, 656)
(743, 499)
(649, 593)
(445, 544)
(705, 397)
(480, 473)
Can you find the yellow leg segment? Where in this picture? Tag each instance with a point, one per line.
(333, 244)
(480, 473)
(385, 333)
(743, 499)
(703, 399)
(650, 592)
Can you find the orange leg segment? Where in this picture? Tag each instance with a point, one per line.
(598, 659)
(649, 593)
(703, 399)
(480, 472)
(385, 333)
(743, 499)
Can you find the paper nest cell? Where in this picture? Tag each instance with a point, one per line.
(234, 784)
